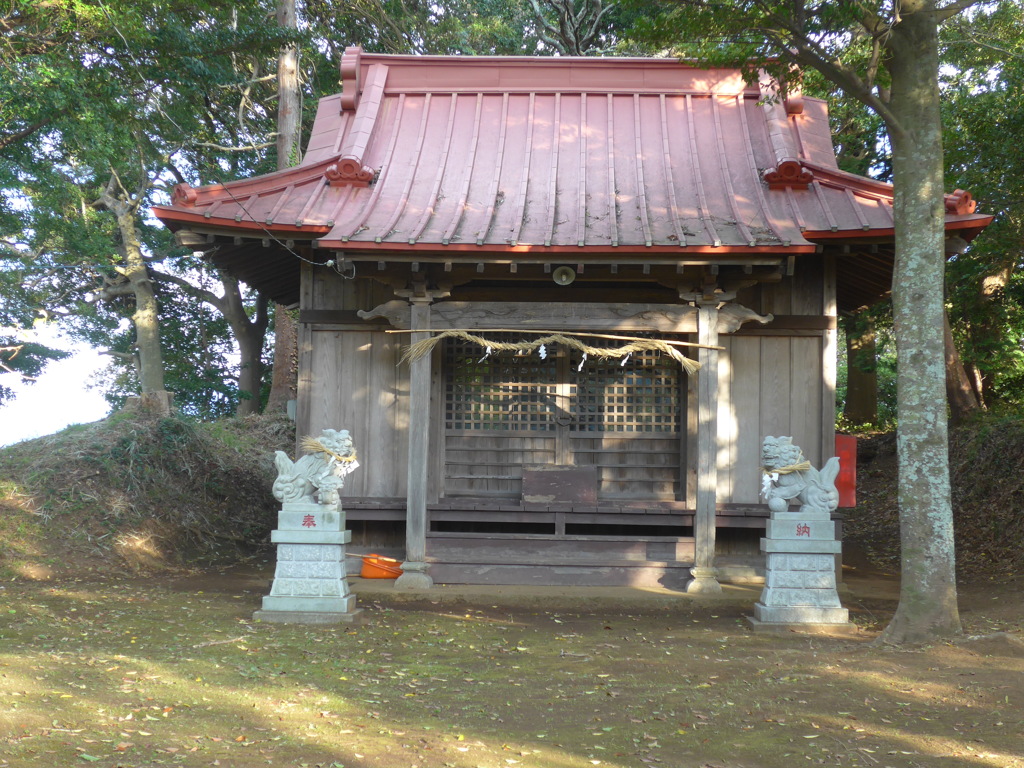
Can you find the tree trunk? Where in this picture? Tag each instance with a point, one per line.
(250, 334)
(147, 316)
(963, 402)
(284, 380)
(150, 360)
(250, 377)
(289, 104)
(861, 406)
(989, 327)
(928, 601)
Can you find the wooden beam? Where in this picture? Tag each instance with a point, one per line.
(581, 316)
(337, 317)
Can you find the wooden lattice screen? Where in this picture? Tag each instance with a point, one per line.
(506, 410)
(640, 396)
(498, 392)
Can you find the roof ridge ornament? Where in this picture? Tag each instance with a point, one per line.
(350, 76)
(184, 195)
(788, 173)
(783, 102)
(349, 171)
(960, 202)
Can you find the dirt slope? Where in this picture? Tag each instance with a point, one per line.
(133, 492)
(986, 462)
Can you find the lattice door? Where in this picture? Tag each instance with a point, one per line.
(626, 420)
(505, 411)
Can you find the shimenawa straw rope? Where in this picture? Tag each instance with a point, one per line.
(425, 346)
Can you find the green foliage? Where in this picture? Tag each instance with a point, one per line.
(983, 111)
(199, 360)
(883, 365)
(21, 357)
(146, 94)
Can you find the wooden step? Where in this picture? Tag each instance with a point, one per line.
(567, 550)
(619, 574)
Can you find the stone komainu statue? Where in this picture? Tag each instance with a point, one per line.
(788, 477)
(331, 457)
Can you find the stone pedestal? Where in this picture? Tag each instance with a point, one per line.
(704, 582)
(310, 584)
(800, 580)
(414, 577)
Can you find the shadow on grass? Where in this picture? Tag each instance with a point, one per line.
(129, 673)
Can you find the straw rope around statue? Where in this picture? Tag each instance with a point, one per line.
(801, 466)
(770, 475)
(424, 347)
(311, 444)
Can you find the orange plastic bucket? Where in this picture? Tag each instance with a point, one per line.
(380, 567)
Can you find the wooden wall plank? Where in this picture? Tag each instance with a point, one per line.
(829, 354)
(304, 388)
(776, 298)
(746, 354)
(727, 426)
(361, 388)
(775, 383)
(805, 397)
(807, 295)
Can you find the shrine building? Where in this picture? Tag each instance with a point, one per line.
(561, 242)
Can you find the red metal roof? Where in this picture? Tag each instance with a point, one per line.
(517, 154)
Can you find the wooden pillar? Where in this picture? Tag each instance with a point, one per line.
(704, 579)
(414, 570)
(829, 344)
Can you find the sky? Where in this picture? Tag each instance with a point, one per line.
(60, 397)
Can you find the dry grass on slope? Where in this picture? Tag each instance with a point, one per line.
(986, 460)
(134, 492)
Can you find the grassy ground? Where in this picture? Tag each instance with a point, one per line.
(129, 672)
(103, 664)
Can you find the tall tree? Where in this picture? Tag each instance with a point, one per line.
(284, 382)
(886, 56)
(135, 280)
(103, 106)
